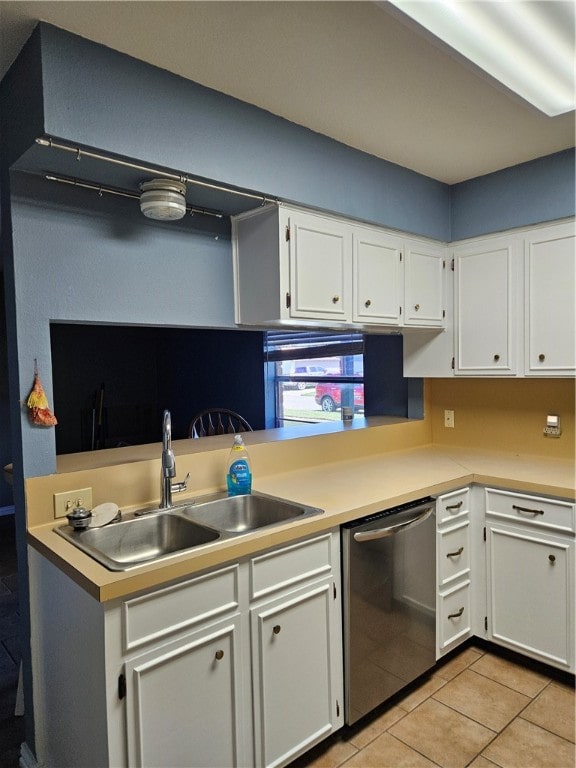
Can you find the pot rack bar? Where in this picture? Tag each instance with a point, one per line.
(101, 189)
(47, 141)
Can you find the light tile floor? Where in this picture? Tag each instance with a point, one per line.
(479, 709)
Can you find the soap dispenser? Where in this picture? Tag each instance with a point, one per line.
(238, 476)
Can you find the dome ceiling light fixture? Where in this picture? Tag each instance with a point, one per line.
(163, 199)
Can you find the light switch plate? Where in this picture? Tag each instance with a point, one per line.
(65, 501)
(552, 428)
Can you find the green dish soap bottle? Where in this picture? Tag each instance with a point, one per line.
(239, 476)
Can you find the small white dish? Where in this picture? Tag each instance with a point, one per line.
(103, 514)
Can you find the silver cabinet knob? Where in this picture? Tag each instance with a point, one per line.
(552, 558)
(416, 307)
(367, 303)
(496, 358)
(219, 655)
(541, 357)
(335, 299)
(277, 629)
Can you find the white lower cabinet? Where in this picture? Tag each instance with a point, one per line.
(295, 681)
(529, 591)
(531, 576)
(239, 666)
(506, 572)
(184, 701)
(453, 569)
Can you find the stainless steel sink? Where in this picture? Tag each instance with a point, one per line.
(146, 538)
(242, 514)
(139, 540)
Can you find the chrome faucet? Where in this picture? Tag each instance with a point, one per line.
(167, 487)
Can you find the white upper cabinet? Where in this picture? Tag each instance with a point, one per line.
(377, 277)
(298, 267)
(320, 255)
(550, 259)
(487, 282)
(424, 296)
(510, 308)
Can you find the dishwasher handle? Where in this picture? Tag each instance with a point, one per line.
(391, 530)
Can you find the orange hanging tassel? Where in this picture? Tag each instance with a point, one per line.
(40, 413)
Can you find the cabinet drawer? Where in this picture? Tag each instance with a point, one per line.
(536, 510)
(154, 616)
(453, 553)
(454, 621)
(451, 506)
(289, 566)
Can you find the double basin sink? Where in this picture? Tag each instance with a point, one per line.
(141, 538)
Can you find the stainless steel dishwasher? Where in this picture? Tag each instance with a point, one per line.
(389, 569)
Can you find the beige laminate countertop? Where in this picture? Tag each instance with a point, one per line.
(345, 490)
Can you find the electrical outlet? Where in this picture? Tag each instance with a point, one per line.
(66, 501)
(552, 431)
(449, 419)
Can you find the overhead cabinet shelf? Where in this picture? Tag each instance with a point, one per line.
(296, 267)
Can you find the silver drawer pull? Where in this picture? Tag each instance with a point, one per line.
(455, 554)
(455, 506)
(457, 614)
(528, 511)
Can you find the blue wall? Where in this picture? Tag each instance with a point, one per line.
(101, 98)
(530, 193)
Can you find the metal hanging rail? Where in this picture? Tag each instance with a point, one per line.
(100, 188)
(46, 141)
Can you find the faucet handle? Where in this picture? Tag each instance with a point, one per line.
(181, 486)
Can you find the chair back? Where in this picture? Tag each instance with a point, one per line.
(217, 421)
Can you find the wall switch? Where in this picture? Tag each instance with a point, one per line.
(66, 501)
(449, 419)
(552, 428)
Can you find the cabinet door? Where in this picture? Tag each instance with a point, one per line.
(486, 284)
(320, 268)
(296, 679)
(531, 593)
(184, 702)
(424, 280)
(377, 277)
(550, 261)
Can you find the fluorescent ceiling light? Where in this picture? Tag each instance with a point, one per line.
(527, 45)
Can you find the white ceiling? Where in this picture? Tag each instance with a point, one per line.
(349, 70)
